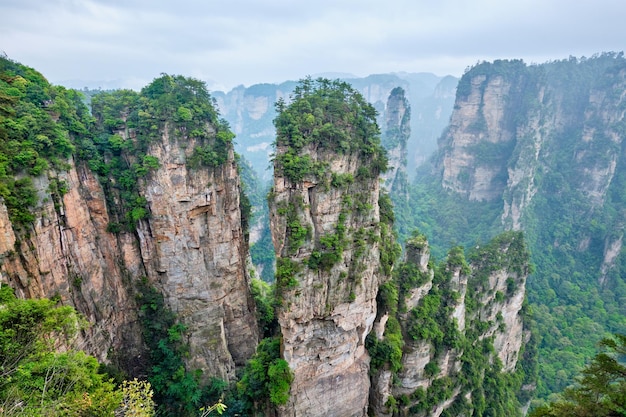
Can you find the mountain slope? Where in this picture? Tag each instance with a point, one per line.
(541, 148)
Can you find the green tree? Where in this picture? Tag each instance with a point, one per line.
(601, 389)
(35, 380)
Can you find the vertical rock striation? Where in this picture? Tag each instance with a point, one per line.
(193, 248)
(397, 130)
(462, 323)
(325, 227)
(69, 253)
(153, 193)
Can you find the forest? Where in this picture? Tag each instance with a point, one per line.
(575, 311)
(576, 299)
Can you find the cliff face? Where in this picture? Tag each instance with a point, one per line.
(146, 214)
(193, 248)
(325, 228)
(459, 323)
(397, 131)
(69, 253)
(511, 122)
(540, 148)
(479, 119)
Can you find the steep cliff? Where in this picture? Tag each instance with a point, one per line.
(540, 148)
(133, 214)
(327, 232)
(187, 217)
(396, 133)
(462, 328)
(68, 253)
(152, 192)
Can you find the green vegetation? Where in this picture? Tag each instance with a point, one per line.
(266, 378)
(36, 380)
(388, 350)
(261, 251)
(601, 389)
(493, 392)
(38, 125)
(127, 123)
(448, 219)
(177, 390)
(286, 272)
(334, 117)
(263, 294)
(575, 304)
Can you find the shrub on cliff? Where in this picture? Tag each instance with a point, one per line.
(332, 115)
(35, 380)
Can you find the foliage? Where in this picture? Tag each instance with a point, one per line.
(127, 123)
(448, 219)
(499, 68)
(263, 295)
(219, 407)
(286, 272)
(493, 392)
(390, 249)
(261, 251)
(296, 234)
(389, 349)
(38, 125)
(576, 299)
(34, 378)
(266, 378)
(601, 389)
(333, 116)
(177, 391)
(137, 399)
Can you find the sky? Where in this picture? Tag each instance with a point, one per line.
(128, 43)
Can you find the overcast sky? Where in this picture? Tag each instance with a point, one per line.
(127, 43)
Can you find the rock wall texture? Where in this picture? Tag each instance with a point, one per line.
(191, 247)
(327, 315)
(396, 133)
(325, 228)
(476, 303)
(68, 253)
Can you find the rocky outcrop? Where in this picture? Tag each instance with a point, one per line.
(325, 228)
(510, 120)
(148, 215)
(477, 139)
(194, 249)
(451, 320)
(250, 111)
(69, 253)
(397, 130)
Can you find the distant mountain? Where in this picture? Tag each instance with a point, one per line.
(541, 149)
(250, 112)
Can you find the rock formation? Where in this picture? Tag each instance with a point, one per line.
(149, 195)
(540, 148)
(326, 231)
(69, 253)
(147, 213)
(459, 323)
(250, 111)
(397, 131)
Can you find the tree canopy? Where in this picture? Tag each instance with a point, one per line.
(331, 115)
(601, 388)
